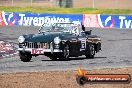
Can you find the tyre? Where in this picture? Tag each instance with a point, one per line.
(91, 51)
(25, 57)
(65, 53)
(53, 57)
(81, 80)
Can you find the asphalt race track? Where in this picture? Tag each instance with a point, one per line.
(116, 52)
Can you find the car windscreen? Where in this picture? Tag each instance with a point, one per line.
(65, 27)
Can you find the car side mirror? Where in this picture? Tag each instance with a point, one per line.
(88, 32)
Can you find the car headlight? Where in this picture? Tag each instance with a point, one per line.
(57, 40)
(99, 39)
(21, 39)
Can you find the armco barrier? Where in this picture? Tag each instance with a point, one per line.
(107, 21)
(89, 20)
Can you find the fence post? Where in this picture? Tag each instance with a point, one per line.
(93, 3)
(12, 3)
(116, 3)
(51, 3)
(31, 2)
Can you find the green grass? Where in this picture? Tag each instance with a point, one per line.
(66, 10)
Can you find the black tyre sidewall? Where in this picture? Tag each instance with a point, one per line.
(25, 57)
(81, 80)
(53, 57)
(65, 54)
(91, 53)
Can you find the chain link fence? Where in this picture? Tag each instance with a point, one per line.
(23, 3)
(122, 4)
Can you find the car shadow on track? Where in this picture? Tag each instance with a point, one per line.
(77, 58)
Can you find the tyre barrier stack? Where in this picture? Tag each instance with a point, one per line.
(8, 49)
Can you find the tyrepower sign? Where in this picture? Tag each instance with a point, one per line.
(36, 19)
(107, 21)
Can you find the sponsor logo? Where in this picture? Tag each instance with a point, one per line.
(37, 51)
(114, 21)
(12, 19)
(106, 21)
(38, 21)
(29, 19)
(125, 22)
(111, 20)
(83, 78)
(9, 18)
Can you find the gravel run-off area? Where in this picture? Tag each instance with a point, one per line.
(57, 79)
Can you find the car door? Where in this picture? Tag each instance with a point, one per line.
(82, 43)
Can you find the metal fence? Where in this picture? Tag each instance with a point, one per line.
(122, 4)
(22, 3)
(70, 3)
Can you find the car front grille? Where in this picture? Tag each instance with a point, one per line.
(37, 45)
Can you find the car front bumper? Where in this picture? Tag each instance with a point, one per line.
(39, 50)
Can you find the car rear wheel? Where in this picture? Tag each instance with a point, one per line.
(91, 51)
(25, 57)
(65, 53)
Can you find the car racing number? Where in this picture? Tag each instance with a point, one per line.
(83, 43)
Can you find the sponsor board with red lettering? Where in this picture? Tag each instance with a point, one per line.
(37, 51)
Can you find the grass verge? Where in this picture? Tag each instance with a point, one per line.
(66, 10)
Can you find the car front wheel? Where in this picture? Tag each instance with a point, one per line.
(25, 57)
(65, 53)
(91, 51)
(53, 57)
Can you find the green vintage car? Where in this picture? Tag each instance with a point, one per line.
(59, 41)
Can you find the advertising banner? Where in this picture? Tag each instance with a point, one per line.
(36, 19)
(107, 21)
(1, 19)
(89, 20)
